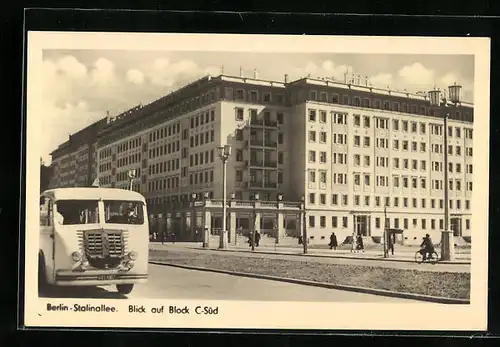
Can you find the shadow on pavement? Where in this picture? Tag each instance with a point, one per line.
(82, 293)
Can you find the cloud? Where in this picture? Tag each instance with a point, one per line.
(382, 80)
(103, 72)
(417, 74)
(71, 67)
(135, 76)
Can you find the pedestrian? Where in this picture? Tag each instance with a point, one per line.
(173, 237)
(333, 241)
(359, 244)
(300, 240)
(391, 243)
(257, 238)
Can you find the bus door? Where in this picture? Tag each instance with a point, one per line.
(47, 239)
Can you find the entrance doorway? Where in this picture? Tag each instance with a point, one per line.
(361, 224)
(456, 226)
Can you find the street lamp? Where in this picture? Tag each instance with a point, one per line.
(447, 241)
(233, 235)
(279, 199)
(304, 227)
(256, 198)
(224, 152)
(131, 176)
(206, 231)
(193, 214)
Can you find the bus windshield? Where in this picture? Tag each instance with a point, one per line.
(77, 211)
(123, 212)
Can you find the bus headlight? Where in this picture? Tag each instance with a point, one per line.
(130, 264)
(85, 264)
(76, 256)
(132, 255)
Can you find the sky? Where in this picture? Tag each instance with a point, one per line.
(80, 86)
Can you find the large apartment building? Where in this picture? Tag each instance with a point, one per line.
(362, 158)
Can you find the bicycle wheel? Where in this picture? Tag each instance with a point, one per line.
(419, 258)
(434, 258)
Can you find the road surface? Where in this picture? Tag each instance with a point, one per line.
(166, 282)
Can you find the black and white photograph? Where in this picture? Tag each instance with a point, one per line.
(184, 179)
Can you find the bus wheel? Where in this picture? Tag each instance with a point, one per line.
(43, 285)
(124, 288)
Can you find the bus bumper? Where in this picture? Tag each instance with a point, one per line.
(97, 278)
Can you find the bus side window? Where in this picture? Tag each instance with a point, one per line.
(45, 211)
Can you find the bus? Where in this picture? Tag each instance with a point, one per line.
(92, 237)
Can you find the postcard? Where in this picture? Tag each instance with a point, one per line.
(256, 181)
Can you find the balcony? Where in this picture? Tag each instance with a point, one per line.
(256, 142)
(256, 122)
(271, 185)
(255, 162)
(255, 184)
(270, 163)
(270, 123)
(269, 143)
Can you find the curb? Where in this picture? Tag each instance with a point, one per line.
(380, 292)
(331, 257)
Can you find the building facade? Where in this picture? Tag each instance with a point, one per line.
(362, 158)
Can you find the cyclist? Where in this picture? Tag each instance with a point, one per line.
(427, 247)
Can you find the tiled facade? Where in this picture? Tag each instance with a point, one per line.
(350, 150)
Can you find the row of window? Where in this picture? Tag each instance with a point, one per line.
(165, 199)
(169, 148)
(201, 177)
(123, 176)
(105, 153)
(201, 139)
(343, 222)
(130, 144)
(162, 133)
(165, 183)
(254, 96)
(131, 159)
(383, 123)
(202, 118)
(165, 166)
(260, 175)
(378, 201)
(201, 158)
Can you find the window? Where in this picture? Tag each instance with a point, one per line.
(413, 127)
(312, 221)
(312, 176)
(322, 137)
(312, 136)
(239, 114)
(413, 146)
(322, 199)
(312, 115)
(344, 222)
(367, 160)
(396, 144)
(422, 147)
(357, 140)
(422, 128)
(458, 132)
(357, 159)
(312, 198)
(405, 125)
(279, 117)
(322, 221)
(405, 145)
(366, 142)
(322, 116)
(377, 222)
(366, 121)
(322, 157)
(322, 177)
(335, 200)
(357, 120)
(312, 156)
(395, 124)
(334, 222)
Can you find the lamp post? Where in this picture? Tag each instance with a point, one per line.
(233, 235)
(279, 199)
(256, 198)
(385, 231)
(193, 214)
(224, 152)
(206, 231)
(131, 176)
(304, 226)
(447, 241)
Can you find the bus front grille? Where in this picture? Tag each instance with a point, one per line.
(104, 249)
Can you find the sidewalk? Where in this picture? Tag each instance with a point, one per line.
(403, 254)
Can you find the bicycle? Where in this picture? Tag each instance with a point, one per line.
(419, 257)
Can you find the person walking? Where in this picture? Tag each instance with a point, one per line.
(359, 244)
(333, 241)
(390, 244)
